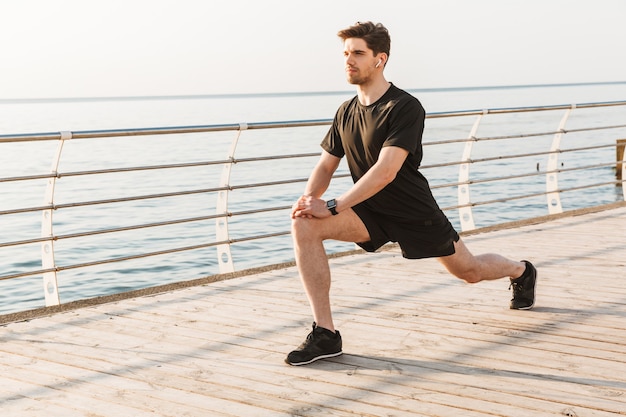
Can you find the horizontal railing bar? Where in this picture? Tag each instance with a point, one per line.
(584, 148)
(598, 184)
(25, 274)
(140, 197)
(519, 136)
(111, 171)
(29, 137)
(108, 261)
(141, 226)
(488, 138)
(188, 165)
(155, 167)
(139, 168)
(259, 237)
(272, 183)
(24, 242)
(590, 129)
(515, 156)
(139, 256)
(525, 109)
(169, 223)
(90, 134)
(525, 155)
(522, 135)
(256, 211)
(171, 194)
(515, 136)
(275, 157)
(523, 196)
(113, 200)
(25, 210)
(538, 173)
(487, 159)
(28, 178)
(511, 177)
(499, 200)
(153, 196)
(168, 251)
(25, 137)
(492, 179)
(112, 133)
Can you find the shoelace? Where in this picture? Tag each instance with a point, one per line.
(309, 339)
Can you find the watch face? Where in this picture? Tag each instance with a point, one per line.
(331, 203)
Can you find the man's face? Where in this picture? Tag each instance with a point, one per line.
(360, 62)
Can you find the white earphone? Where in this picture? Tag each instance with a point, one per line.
(378, 64)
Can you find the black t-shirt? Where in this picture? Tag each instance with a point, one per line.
(360, 132)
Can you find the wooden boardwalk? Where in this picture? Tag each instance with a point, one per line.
(417, 342)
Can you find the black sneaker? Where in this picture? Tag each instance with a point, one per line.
(319, 344)
(524, 289)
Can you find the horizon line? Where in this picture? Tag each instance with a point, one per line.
(289, 94)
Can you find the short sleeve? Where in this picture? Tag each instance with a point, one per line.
(332, 141)
(406, 126)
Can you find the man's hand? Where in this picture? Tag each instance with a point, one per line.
(309, 207)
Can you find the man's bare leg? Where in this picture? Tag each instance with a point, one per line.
(308, 236)
(485, 267)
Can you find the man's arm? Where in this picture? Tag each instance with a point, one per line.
(382, 173)
(316, 185)
(321, 175)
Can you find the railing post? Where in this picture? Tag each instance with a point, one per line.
(50, 284)
(620, 168)
(552, 176)
(466, 217)
(224, 256)
(620, 147)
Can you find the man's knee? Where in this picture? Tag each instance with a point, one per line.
(303, 228)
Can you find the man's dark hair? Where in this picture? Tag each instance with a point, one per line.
(375, 36)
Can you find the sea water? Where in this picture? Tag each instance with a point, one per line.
(53, 115)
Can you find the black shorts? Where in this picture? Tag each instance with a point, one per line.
(418, 238)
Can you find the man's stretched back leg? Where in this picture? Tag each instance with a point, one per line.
(490, 266)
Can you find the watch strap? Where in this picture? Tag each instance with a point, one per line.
(331, 205)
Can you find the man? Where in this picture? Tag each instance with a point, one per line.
(379, 132)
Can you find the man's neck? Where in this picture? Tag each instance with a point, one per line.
(371, 93)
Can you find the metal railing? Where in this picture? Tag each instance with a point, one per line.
(514, 153)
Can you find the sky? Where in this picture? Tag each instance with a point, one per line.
(117, 48)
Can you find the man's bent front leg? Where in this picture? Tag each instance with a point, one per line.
(308, 237)
(313, 268)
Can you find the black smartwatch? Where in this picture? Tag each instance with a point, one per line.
(331, 205)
